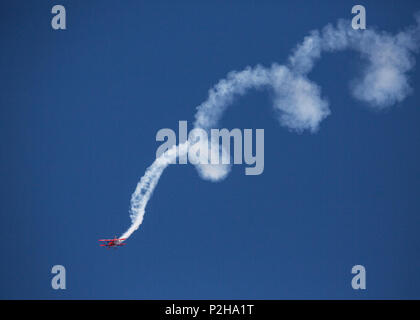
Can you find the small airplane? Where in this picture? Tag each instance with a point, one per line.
(113, 242)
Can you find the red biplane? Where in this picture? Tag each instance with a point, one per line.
(113, 242)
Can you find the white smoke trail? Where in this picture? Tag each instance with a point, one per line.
(297, 100)
(147, 184)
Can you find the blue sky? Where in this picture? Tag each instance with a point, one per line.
(80, 109)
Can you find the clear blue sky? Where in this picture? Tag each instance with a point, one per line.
(80, 109)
